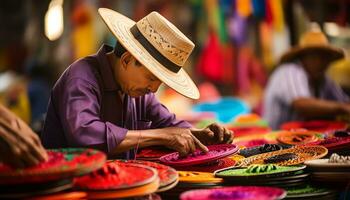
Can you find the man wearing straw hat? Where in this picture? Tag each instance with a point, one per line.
(299, 88)
(106, 101)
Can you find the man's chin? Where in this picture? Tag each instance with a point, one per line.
(136, 94)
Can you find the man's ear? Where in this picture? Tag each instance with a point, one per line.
(125, 59)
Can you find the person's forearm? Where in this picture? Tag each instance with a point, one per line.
(311, 108)
(144, 138)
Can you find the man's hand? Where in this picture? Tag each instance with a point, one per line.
(213, 134)
(182, 140)
(19, 145)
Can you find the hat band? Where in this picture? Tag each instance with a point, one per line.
(153, 51)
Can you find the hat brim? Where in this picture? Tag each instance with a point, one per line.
(296, 52)
(120, 26)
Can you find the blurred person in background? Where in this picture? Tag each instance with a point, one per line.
(299, 89)
(38, 86)
(106, 101)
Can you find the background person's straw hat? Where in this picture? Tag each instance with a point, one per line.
(311, 41)
(158, 45)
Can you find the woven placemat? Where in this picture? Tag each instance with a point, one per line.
(257, 171)
(198, 157)
(299, 155)
(297, 137)
(210, 167)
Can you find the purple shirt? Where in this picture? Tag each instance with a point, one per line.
(288, 83)
(88, 109)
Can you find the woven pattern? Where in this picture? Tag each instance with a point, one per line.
(177, 55)
(198, 157)
(302, 153)
(333, 142)
(211, 166)
(153, 153)
(257, 170)
(297, 138)
(251, 151)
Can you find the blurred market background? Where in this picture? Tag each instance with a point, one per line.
(238, 44)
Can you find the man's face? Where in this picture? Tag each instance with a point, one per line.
(316, 64)
(137, 79)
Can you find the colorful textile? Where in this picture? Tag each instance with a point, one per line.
(198, 157)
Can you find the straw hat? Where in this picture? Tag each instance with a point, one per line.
(158, 45)
(313, 40)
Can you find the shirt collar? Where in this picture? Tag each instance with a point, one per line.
(106, 69)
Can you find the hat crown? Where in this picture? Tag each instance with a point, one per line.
(313, 38)
(166, 38)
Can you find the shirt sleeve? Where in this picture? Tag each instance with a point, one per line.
(292, 83)
(160, 115)
(285, 85)
(80, 111)
(332, 91)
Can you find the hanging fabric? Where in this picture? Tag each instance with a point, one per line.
(83, 37)
(258, 8)
(244, 8)
(210, 62)
(277, 13)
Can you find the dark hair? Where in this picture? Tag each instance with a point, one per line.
(118, 49)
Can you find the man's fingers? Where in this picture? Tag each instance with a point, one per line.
(192, 146)
(38, 152)
(221, 135)
(228, 135)
(218, 131)
(15, 162)
(182, 152)
(16, 159)
(31, 147)
(209, 133)
(37, 149)
(29, 159)
(198, 143)
(27, 145)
